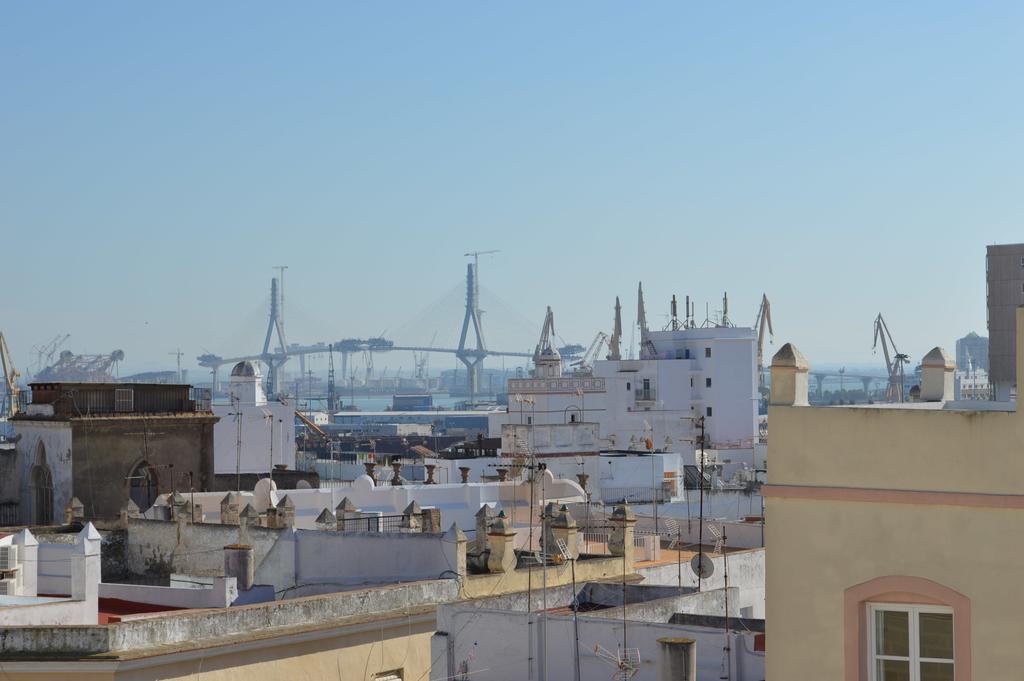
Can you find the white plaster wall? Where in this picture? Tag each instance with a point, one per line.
(746, 574)
(56, 438)
(81, 608)
(733, 394)
(611, 471)
(54, 569)
(256, 437)
(335, 559)
(492, 644)
(33, 613)
(220, 594)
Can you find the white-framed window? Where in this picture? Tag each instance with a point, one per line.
(910, 643)
(124, 399)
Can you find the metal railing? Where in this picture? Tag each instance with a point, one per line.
(202, 398)
(380, 523)
(335, 484)
(648, 395)
(634, 495)
(594, 543)
(10, 514)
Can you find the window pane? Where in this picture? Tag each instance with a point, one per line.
(892, 633)
(936, 671)
(893, 670)
(936, 634)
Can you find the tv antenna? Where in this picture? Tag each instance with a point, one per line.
(626, 661)
(237, 414)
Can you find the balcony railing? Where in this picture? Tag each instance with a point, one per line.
(645, 394)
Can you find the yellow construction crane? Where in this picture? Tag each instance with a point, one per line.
(11, 375)
(764, 319)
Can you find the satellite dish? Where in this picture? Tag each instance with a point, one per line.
(702, 566)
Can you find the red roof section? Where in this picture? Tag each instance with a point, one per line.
(112, 609)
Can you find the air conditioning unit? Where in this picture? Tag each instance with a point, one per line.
(9, 557)
(9, 587)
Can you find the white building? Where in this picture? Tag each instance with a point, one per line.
(265, 429)
(682, 374)
(27, 568)
(972, 384)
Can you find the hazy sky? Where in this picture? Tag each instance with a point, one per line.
(157, 159)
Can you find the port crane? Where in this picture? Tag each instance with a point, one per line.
(332, 395)
(894, 360)
(10, 405)
(45, 353)
(585, 364)
(544, 346)
(614, 342)
(764, 319)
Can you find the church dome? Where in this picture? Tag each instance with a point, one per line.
(245, 369)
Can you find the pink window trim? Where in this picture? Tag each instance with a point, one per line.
(902, 589)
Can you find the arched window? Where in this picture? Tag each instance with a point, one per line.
(906, 627)
(143, 485)
(42, 489)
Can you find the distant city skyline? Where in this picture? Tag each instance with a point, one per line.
(159, 161)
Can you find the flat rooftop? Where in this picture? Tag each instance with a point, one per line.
(952, 405)
(415, 413)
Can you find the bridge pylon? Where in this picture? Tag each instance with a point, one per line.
(472, 355)
(274, 360)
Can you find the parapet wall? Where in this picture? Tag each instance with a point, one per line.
(161, 547)
(184, 627)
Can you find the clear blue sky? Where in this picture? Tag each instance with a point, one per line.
(157, 159)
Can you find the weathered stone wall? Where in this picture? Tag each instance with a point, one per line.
(107, 450)
(159, 547)
(183, 627)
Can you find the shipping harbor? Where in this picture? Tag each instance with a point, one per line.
(490, 342)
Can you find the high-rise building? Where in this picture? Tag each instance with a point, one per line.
(972, 353)
(1005, 293)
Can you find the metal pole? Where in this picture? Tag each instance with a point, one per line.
(700, 528)
(544, 567)
(679, 555)
(728, 641)
(654, 493)
(575, 622)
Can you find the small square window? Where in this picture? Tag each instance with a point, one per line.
(124, 399)
(707, 352)
(707, 382)
(709, 411)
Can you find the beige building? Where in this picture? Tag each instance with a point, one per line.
(893, 533)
